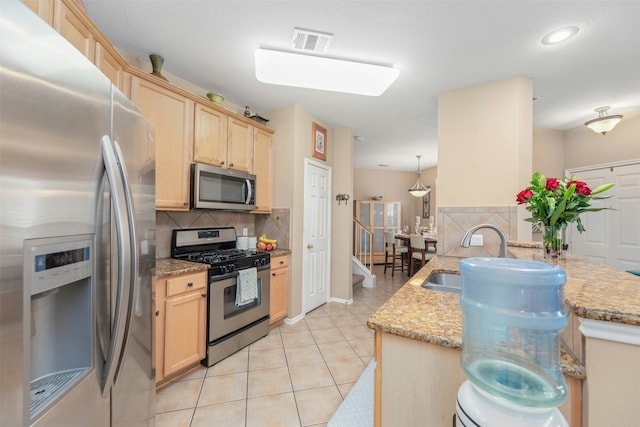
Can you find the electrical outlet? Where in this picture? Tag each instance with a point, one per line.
(476, 240)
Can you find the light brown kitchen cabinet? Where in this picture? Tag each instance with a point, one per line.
(262, 166)
(72, 24)
(210, 136)
(279, 293)
(171, 115)
(378, 216)
(239, 145)
(110, 65)
(180, 323)
(42, 8)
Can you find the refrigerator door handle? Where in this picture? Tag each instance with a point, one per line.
(127, 259)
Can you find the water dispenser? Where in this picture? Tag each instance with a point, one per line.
(59, 326)
(513, 313)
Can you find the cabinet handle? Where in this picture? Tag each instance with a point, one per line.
(204, 295)
(185, 203)
(273, 274)
(230, 165)
(222, 163)
(281, 262)
(190, 284)
(157, 313)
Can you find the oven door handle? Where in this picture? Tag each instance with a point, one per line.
(249, 192)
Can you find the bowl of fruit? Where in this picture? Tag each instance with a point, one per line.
(266, 244)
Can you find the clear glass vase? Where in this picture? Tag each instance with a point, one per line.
(554, 242)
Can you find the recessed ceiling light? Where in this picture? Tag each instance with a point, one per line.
(319, 72)
(558, 36)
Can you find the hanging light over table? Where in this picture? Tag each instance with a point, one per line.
(419, 190)
(603, 123)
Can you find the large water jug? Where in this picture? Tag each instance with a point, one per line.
(513, 314)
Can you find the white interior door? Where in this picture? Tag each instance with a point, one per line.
(317, 237)
(611, 237)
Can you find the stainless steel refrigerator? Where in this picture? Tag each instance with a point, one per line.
(77, 237)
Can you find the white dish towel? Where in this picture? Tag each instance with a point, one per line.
(247, 286)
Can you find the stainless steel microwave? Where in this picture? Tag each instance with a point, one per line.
(218, 188)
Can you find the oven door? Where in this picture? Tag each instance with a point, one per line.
(224, 315)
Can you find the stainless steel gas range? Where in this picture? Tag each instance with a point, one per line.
(232, 323)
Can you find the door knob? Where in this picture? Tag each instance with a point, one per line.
(309, 246)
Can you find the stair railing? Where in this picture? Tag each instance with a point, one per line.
(363, 243)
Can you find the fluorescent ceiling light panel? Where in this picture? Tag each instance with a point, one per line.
(318, 72)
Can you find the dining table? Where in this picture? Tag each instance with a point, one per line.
(406, 240)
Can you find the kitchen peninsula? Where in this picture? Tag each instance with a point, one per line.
(418, 338)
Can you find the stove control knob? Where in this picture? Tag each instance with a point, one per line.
(229, 268)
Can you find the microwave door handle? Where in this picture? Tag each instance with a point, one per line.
(249, 192)
(126, 261)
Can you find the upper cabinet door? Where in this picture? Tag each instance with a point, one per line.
(210, 136)
(171, 116)
(240, 146)
(109, 65)
(74, 29)
(262, 163)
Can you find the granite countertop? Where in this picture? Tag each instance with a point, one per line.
(279, 252)
(167, 267)
(592, 291)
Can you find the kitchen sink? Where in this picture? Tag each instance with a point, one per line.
(444, 282)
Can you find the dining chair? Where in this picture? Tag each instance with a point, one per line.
(419, 252)
(396, 251)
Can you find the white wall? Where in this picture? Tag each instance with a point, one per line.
(548, 152)
(484, 143)
(393, 186)
(583, 147)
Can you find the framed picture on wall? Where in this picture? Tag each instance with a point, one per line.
(319, 136)
(426, 205)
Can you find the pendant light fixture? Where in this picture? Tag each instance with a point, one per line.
(603, 123)
(419, 190)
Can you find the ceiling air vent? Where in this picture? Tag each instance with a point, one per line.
(311, 41)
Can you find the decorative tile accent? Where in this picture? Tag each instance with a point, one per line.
(453, 223)
(276, 225)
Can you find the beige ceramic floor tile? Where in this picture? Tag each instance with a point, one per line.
(267, 358)
(278, 410)
(345, 370)
(358, 332)
(363, 347)
(223, 388)
(297, 339)
(346, 320)
(198, 373)
(237, 362)
(292, 329)
(178, 395)
(336, 350)
(269, 381)
(319, 322)
(273, 340)
(303, 354)
(327, 335)
(345, 389)
(229, 414)
(175, 418)
(310, 375)
(317, 405)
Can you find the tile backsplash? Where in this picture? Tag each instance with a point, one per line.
(453, 223)
(275, 226)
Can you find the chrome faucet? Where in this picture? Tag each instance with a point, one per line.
(466, 240)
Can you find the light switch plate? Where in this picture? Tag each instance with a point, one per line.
(476, 240)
